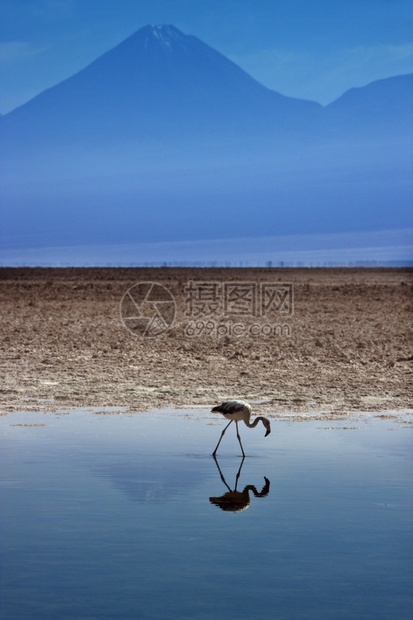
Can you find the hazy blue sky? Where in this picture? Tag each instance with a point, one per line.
(313, 49)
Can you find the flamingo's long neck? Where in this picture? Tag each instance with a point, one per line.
(254, 424)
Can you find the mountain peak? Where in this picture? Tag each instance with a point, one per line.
(159, 35)
(164, 31)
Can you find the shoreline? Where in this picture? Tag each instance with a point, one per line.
(403, 418)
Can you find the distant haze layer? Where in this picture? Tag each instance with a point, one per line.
(163, 139)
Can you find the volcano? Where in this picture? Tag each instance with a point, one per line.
(159, 83)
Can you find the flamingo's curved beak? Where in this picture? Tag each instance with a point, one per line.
(268, 432)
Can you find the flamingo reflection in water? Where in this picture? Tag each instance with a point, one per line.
(234, 500)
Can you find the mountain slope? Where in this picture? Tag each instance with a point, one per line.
(386, 105)
(157, 83)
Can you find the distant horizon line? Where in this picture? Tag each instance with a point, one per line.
(392, 247)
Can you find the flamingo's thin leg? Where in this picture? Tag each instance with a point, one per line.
(239, 439)
(220, 439)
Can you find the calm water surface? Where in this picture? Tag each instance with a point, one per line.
(128, 516)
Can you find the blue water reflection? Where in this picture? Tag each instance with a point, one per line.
(234, 500)
(117, 516)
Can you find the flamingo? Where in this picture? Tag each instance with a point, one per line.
(239, 411)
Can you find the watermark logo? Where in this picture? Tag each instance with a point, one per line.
(248, 299)
(211, 308)
(148, 309)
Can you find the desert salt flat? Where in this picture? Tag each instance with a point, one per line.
(348, 347)
(121, 515)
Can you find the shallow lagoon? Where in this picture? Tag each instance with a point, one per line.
(128, 516)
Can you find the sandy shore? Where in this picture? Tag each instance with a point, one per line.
(336, 340)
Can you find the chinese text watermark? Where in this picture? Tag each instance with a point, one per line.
(210, 308)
